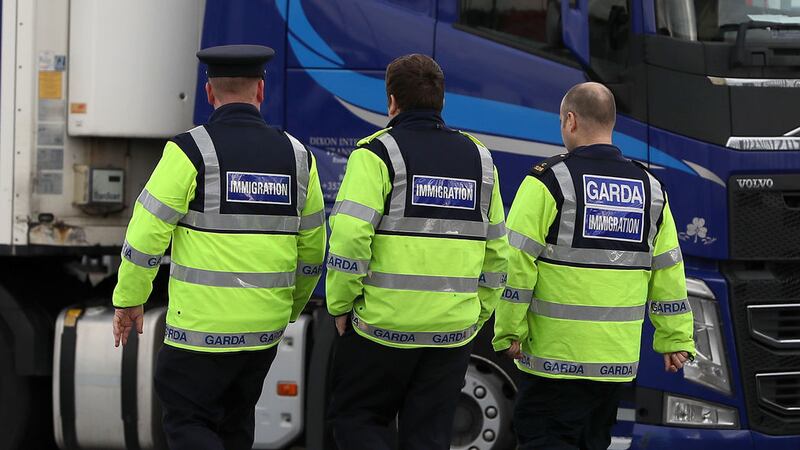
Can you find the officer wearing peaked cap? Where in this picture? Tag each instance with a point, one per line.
(593, 248)
(241, 203)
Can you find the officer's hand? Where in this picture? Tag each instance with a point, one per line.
(341, 324)
(515, 351)
(124, 320)
(674, 361)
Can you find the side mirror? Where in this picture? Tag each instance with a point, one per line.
(552, 25)
(575, 28)
(618, 27)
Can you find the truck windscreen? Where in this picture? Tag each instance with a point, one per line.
(718, 20)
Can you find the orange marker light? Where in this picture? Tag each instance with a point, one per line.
(287, 389)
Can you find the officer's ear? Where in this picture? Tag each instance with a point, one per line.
(260, 92)
(394, 109)
(210, 93)
(571, 122)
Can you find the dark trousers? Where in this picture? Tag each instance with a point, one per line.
(559, 414)
(374, 385)
(208, 399)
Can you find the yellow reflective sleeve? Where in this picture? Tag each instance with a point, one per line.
(310, 243)
(495, 260)
(362, 195)
(669, 308)
(532, 213)
(171, 187)
(372, 137)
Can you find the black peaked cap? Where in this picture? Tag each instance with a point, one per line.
(236, 60)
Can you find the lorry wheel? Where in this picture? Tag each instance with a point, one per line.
(484, 411)
(14, 398)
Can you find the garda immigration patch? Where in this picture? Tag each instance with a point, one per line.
(613, 208)
(248, 187)
(443, 192)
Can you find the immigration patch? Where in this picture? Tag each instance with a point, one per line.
(443, 192)
(247, 187)
(613, 208)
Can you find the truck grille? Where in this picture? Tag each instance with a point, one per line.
(764, 217)
(780, 391)
(777, 326)
(765, 308)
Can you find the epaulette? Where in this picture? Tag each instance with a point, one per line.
(372, 137)
(543, 166)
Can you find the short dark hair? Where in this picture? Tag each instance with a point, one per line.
(592, 102)
(233, 85)
(416, 81)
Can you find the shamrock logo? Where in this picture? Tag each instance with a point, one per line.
(697, 231)
(697, 228)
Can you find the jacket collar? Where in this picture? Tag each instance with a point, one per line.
(236, 112)
(599, 151)
(418, 118)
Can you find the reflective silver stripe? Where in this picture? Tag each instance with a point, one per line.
(515, 295)
(301, 168)
(221, 340)
(496, 231)
(487, 180)
(525, 243)
(211, 219)
(232, 279)
(424, 225)
(312, 221)
(493, 280)
(308, 269)
(429, 283)
(587, 313)
(415, 337)
(347, 265)
(669, 307)
(579, 369)
(241, 222)
(566, 229)
(212, 186)
(667, 259)
(596, 256)
(140, 258)
(397, 205)
(656, 207)
(154, 206)
(357, 210)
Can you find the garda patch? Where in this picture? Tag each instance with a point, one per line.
(568, 368)
(443, 192)
(613, 208)
(247, 187)
(663, 308)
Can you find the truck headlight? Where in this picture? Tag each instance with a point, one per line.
(710, 366)
(684, 411)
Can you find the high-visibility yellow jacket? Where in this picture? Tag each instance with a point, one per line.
(418, 247)
(592, 242)
(241, 203)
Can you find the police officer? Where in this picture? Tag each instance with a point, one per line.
(416, 266)
(242, 204)
(592, 242)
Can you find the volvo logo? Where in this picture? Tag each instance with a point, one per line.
(755, 183)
